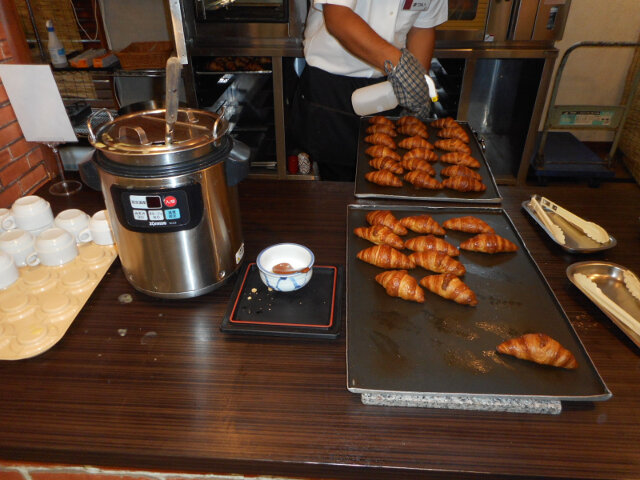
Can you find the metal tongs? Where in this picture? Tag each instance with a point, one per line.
(553, 229)
(590, 229)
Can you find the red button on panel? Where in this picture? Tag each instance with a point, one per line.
(170, 201)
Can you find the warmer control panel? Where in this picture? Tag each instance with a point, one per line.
(168, 210)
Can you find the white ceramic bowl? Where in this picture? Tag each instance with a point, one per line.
(298, 256)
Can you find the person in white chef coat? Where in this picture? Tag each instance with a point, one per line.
(349, 44)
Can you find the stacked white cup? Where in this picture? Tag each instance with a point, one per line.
(53, 247)
(18, 243)
(31, 213)
(99, 229)
(74, 221)
(8, 271)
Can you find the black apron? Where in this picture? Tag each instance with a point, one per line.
(324, 123)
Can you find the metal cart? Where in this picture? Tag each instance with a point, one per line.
(560, 153)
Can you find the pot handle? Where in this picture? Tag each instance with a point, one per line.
(237, 164)
(92, 136)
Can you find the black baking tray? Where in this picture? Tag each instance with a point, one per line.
(441, 347)
(366, 189)
(315, 310)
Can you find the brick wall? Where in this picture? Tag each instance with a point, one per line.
(24, 166)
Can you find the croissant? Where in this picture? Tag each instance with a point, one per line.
(454, 132)
(447, 122)
(421, 179)
(460, 158)
(468, 224)
(413, 129)
(382, 151)
(418, 164)
(380, 235)
(386, 163)
(384, 178)
(382, 128)
(421, 153)
(413, 142)
(422, 224)
(380, 120)
(426, 243)
(452, 145)
(464, 184)
(385, 256)
(488, 243)
(539, 348)
(438, 262)
(409, 119)
(381, 139)
(459, 170)
(450, 287)
(386, 218)
(398, 283)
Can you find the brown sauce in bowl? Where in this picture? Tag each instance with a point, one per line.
(282, 269)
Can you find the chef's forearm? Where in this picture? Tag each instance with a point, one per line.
(358, 37)
(421, 42)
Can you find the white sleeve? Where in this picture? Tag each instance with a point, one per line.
(437, 13)
(345, 3)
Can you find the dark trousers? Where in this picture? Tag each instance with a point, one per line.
(324, 123)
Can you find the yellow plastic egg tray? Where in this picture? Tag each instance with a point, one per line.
(37, 310)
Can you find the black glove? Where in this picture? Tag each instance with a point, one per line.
(409, 84)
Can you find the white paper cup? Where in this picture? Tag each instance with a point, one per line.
(99, 229)
(73, 221)
(8, 271)
(18, 243)
(31, 213)
(53, 247)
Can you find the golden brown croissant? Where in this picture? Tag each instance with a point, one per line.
(382, 128)
(460, 158)
(450, 287)
(452, 145)
(454, 132)
(388, 219)
(421, 153)
(380, 120)
(386, 163)
(447, 122)
(384, 178)
(413, 142)
(459, 170)
(422, 224)
(421, 179)
(539, 348)
(438, 262)
(488, 243)
(418, 164)
(464, 184)
(380, 235)
(409, 119)
(468, 224)
(385, 256)
(426, 243)
(381, 139)
(398, 283)
(382, 151)
(414, 129)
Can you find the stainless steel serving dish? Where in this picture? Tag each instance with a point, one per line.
(575, 240)
(609, 278)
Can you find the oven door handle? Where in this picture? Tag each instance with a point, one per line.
(178, 31)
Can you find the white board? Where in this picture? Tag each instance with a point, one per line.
(37, 103)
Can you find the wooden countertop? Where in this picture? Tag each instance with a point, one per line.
(154, 384)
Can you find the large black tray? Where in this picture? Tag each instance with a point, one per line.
(366, 189)
(440, 347)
